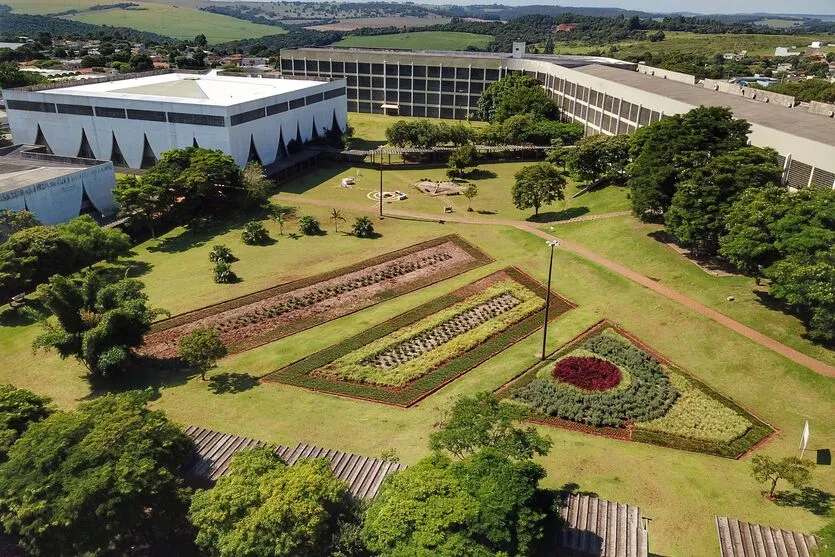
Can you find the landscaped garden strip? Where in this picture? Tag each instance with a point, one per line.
(431, 342)
(261, 317)
(699, 419)
(303, 372)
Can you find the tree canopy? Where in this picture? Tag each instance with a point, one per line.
(264, 508)
(96, 321)
(201, 349)
(537, 185)
(599, 156)
(516, 94)
(104, 478)
(665, 152)
(482, 505)
(482, 420)
(19, 409)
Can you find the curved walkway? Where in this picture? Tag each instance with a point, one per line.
(669, 293)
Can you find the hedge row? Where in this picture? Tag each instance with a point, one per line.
(480, 259)
(300, 373)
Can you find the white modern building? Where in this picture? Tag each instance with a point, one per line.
(132, 121)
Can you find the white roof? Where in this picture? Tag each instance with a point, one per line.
(189, 88)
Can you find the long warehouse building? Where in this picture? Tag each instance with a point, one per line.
(607, 96)
(132, 121)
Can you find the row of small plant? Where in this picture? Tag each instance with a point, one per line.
(360, 365)
(649, 396)
(301, 373)
(697, 415)
(322, 294)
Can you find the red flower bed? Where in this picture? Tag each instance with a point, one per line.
(590, 374)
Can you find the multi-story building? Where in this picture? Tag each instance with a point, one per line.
(132, 121)
(605, 95)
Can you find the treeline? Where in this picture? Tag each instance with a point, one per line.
(17, 25)
(243, 12)
(96, 8)
(808, 90)
(721, 197)
(271, 45)
(478, 493)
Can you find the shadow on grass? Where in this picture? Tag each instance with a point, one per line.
(200, 231)
(814, 500)
(125, 268)
(556, 216)
(365, 144)
(823, 457)
(142, 373)
(314, 178)
(23, 316)
(486, 212)
(232, 383)
(481, 174)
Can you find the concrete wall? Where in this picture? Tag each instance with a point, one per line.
(825, 109)
(667, 74)
(760, 95)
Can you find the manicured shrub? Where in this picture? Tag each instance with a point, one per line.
(224, 273)
(309, 226)
(220, 252)
(363, 228)
(254, 234)
(590, 374)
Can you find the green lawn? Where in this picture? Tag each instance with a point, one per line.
(179, 22)
(630, 243)
(665, 483)
(420, 40)
(493, 201)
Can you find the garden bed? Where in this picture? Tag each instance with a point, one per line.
(268, 315)
(404, 359)
(651, 400)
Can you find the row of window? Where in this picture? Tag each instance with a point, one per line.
(302, 66)
(411, 110)
(448, 86)
(173, 117)
(412, 98)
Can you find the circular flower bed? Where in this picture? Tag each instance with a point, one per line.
(587, 373)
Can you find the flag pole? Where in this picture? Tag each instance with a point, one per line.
(804, 439)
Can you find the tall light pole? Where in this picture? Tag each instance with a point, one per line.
(381, 184)
(553, 244)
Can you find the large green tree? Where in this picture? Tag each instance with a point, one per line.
(102, 480)
(516, 94)
(696, 216)
(537, 185)
(264, 508)
(19, 409)
(201, 349)
(482, 505)
(482, 420)
(96, 321)
(599, 156)
(142, 200)
(15, 221)
(663, 153)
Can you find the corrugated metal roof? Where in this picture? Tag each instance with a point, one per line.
(742, 539)
(597, 528)
(214, 450)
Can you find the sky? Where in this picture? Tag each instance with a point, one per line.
(696, 6)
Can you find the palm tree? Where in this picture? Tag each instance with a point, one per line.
(281, 214)
(336, 216)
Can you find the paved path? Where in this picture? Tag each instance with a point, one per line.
(669, 293)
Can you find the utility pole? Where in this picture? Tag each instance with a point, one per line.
(552, 244)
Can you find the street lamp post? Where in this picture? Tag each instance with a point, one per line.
(381, 184)
(553, 244)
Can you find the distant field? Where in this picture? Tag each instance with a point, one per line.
(778, 23)
(40, 7)
(705, 44)
(180, 23)
(422, 40)
(349, 24)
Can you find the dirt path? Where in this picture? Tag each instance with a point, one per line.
(746, 331)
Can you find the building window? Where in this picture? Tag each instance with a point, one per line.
(364, 67)
(78, 109)
(462, 73)
(405, 70)
(351, 80)
(447, 113)
(405, 97)
(447, 100)
(352, 93)
(378, 95)
(108, 112)
(337, 67)
(448, 86)
(378, 82)
(476, 87)
(313, 99)
(324, 66)
(433, 85)
(433, 98)
(196, 119)
(419, 98)
(333, 93)
(286, 65)
(363, 80)
(376, 69)
(351, 67)
(148, 115)
(312, 66)
(419, 111)
(31, 106)
(432, 111)
(247, 116)
(405, 83)
(419, 71)
(391, 69)
(476, 73)
(492, 75)
(433, 71)
(420, 85)
(297, 103)
(276, 108)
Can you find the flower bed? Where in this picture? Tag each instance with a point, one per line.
(397, 363)
(587, 373)
(249, 321)
(661, 405)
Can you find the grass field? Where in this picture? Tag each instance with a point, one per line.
(705, 44)
(178, 22)
(351, 23)
(422, 40)
(664, 482)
